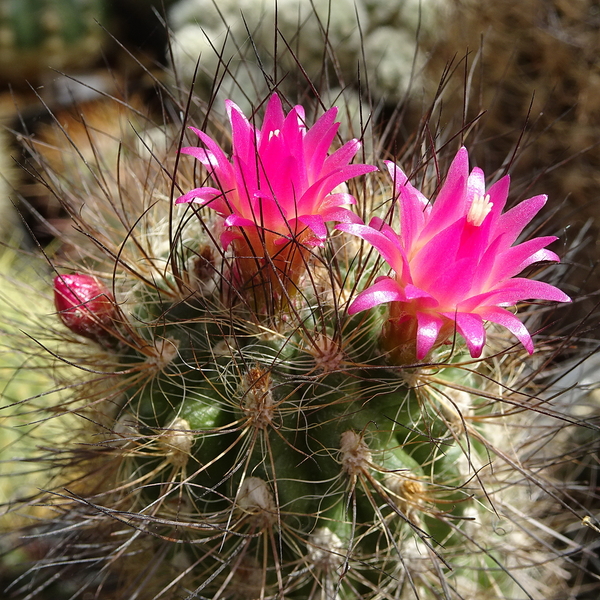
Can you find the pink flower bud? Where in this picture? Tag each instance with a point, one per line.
(85, 306)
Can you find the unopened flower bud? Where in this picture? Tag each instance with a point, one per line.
(85, 306)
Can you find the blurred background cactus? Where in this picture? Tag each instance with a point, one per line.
(38, 34)
(231, 419)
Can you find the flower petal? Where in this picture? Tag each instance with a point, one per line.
(228, 236)
(438, 255)
(391, 252)
(342, 156)
(317, 142)
(316, 224)
(412, 204)
(455, 261)
(341, 215)
(237, 221)
(382, 291)
(273, 119)
(310, 200)
(205, 196)
(243, 134)
(451, 202)
(495, 314)
(338, 199)
(515, 259)
(428, 329)
(498, 194)
(511, 223)
(213, 148)
(279, 173)
(513, 291)
(424, 299)
(470, 326)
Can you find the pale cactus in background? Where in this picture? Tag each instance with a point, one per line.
(276, 400)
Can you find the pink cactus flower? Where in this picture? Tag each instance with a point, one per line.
(278, 191)
(85, 306)
(454, 262)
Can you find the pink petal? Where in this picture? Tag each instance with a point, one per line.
(401, 181)
(529, 289)
(207, 158)
(412, 206)
(513, 291)
(280, 160)
(511, 223)
(390, 234)
(495, 314)
(392, 253)
(205, 196)
(424, 299)
(222, 170)
(318, 190)
(273, 119)
(280, 172)
(316, 224)
(282, 176)
(470, 326)
(243, 136)
(515, 259)
(452, 282)
(228, 236)
(341, 215)
(237, 221)
(451, 202)
(474, 240)
(437, 256)
(543, 255)
(247, 186)
(338, 199)
(317, 142)
(498, 194)
(292, 132)
(267, 212)
(383, 291)
(212, 146)
(428, 329)
(342, 156)
(324, 127)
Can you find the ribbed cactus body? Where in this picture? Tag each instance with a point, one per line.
(233, 447)
(288, 458)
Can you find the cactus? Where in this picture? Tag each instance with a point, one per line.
(41, 33)
(277, 400)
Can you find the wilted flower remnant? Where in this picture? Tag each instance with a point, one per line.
(277, 192)
(454, 263)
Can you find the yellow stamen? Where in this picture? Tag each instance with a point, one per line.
(480, 208)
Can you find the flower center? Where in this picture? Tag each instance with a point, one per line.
(274, 133)
(480, 208)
